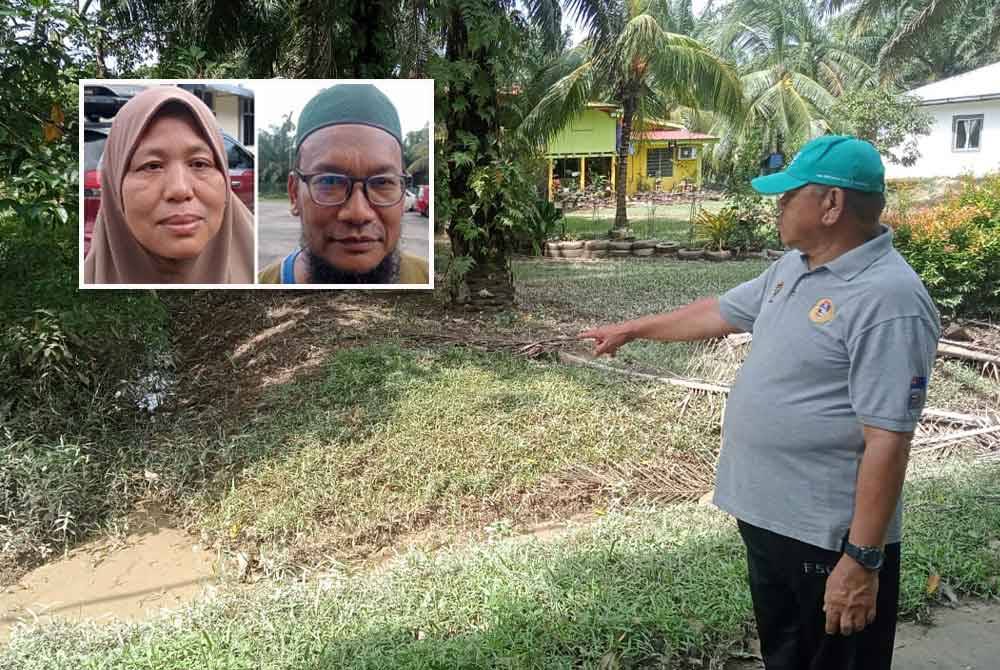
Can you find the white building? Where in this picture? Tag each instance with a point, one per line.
(965, 137)
(233, 107)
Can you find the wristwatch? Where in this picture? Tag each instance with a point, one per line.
(870, 558)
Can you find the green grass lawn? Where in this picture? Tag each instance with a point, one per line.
(377, 446)
(638, 588)
(665, 222)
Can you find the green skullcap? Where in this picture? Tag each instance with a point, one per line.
(348, 103)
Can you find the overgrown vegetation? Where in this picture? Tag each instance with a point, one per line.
(955, 247)
(64, 355)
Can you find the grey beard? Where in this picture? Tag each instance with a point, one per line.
(322, 272)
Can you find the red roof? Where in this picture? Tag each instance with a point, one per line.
(675, 135)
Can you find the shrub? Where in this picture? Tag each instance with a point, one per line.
(716, 228)
(955, 247)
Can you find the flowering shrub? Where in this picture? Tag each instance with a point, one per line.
(955, 247)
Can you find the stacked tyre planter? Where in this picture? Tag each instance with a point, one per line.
(596, 248)
(641, 249)
(721, 255)
(690, 254)
(620, 248)
(666, 248)
(565, 249)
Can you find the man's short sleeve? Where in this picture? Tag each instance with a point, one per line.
(891, 365)
(740, 305)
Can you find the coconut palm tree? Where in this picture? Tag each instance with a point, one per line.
(915, 41)
(792, 69)
(636, 57)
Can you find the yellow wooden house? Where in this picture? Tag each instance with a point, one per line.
(662, 155)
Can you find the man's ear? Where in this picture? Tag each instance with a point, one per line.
(293, 193)
(833, 206)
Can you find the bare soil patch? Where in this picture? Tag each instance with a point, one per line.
(156, 566)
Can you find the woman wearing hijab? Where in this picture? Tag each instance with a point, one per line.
(167, 214)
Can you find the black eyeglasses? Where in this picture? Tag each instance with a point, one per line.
(328, 189)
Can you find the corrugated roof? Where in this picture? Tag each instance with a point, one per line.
(674, 135)
(978, 84)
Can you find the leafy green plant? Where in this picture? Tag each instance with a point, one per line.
(39, 354)
(716, 228)
(955, 248)
(544, 221)
(890, 121)
(754, 227)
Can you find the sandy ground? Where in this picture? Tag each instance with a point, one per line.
(279, 233)
(156, 567)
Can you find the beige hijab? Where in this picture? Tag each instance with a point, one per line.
(116, 257)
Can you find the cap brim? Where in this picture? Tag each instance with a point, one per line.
(777, 183)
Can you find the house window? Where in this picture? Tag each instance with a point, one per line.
(659, 163)
(687, 153)
(966, 132)
(246, 112)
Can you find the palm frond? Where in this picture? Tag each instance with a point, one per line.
(596, 16)
(934, 13)
(547, 15)
(564, 100)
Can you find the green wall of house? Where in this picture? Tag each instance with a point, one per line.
(593, 132)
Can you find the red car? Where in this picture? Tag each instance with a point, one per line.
(424, 200)
(241, 174)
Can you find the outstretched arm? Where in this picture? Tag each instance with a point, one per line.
(700, 320)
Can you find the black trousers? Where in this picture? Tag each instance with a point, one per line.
(788, 582)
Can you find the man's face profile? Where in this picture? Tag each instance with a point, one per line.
(355, 237)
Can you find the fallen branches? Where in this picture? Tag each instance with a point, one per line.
(940, 441)
(985, 430)
(957, 351)
(686, 383)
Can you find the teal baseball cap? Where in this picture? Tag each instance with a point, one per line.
(833, 160)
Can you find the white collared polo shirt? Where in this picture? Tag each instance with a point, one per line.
(846, 344)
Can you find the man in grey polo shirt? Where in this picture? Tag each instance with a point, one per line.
(819, 421)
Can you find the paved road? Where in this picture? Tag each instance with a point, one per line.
(964, 638)
(279, 232)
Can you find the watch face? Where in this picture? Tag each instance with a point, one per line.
(871, 558)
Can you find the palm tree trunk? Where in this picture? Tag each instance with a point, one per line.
(621, 213)
(488, 285)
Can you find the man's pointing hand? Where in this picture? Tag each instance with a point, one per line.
(607, 339)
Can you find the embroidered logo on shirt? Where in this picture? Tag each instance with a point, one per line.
(822, 311)
(777, 289)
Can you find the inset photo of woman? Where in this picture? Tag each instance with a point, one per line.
(168, 181)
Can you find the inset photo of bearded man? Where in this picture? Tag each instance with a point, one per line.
(345, 183)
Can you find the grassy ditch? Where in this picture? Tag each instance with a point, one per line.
(637, 588)
(385, 442)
